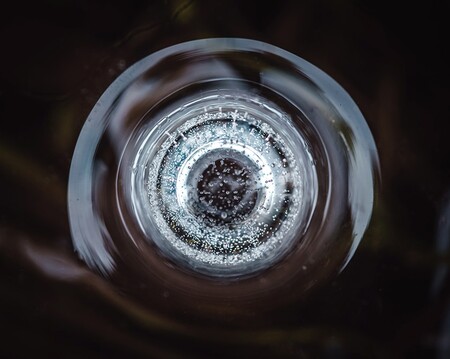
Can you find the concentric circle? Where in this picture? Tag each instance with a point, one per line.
(220, 170)
(223, 192)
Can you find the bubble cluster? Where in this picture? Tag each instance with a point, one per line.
(223, 189)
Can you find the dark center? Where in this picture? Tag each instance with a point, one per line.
(225, 192)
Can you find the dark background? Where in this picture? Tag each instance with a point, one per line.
(57, 57)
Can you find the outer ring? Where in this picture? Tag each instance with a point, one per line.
(91, 238)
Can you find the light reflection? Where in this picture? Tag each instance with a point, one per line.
(148, 193)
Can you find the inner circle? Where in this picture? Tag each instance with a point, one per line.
(226, 191)
(224, 183)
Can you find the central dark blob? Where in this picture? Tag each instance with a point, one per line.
(226, 192)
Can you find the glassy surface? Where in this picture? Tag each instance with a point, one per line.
(218, 170)
(392, 297)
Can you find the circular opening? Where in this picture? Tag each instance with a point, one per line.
(226, 190)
